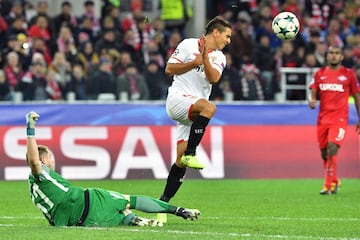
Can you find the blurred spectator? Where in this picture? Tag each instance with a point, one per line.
(5, 7)
(114, 13)
(264, 27)
(131, 46)
(107, 41)
(156, 81)
(320, 10)
(174, 40)
(16, 11)
(78, 83)
(159, 36)
(124, 60)
(64, 38)
(242, 40)
(13, 71)
(17, 27)
(310, 61)
(71, 53)
(349, 58)
(292, 6)
(102, 80)
(90, 14)
(132, 84)
(108, 6)
(308, 27)
(289, 55)
(39, 46)
(12, 44)
(52, 87)
(65, 17)
(152, 52)
(333, 35)
(33, 84)
(264, 60)
(251, 86)
(42, 10)
(62, 71)
(313, 41)
(5, 94)
(175, 14)
(40, 30)
(3, 31)
(88, 58)
(108, 24)
(129, 21)
(85, 28)
(320, 53)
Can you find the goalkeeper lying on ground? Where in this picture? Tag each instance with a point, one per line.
(67, 205)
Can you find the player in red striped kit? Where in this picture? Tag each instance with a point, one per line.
(333, 84)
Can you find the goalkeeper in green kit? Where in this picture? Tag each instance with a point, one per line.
(66, 205)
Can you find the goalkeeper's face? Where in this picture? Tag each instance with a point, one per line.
(47, 157)
(50, 161)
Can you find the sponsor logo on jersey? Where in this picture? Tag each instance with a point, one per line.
(342, 78)
(331, 87)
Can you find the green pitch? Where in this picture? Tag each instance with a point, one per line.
(231, 209)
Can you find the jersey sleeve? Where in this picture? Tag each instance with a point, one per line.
(180, 53)
(313, 83)
(219, 62)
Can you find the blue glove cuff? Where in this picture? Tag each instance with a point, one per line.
(30, 132)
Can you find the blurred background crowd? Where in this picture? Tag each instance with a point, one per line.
(120, 53)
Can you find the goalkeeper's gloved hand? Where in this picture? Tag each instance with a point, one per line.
(31, 119)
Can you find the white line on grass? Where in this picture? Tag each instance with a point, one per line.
(226, 217)
(210, 234)
(288, 219)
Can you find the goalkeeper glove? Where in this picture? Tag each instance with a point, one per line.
(31, 119)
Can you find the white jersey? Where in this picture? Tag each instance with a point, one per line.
(194, 82)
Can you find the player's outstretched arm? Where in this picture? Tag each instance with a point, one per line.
(32, 154)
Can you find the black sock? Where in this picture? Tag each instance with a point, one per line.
(196, 133)
(173, 182)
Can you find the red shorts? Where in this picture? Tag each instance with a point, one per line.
(331, 133)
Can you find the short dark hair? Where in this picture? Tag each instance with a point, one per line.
(218, 23)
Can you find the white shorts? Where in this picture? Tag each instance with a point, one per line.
(177, 107)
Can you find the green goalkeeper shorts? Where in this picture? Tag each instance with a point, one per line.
(105, 208)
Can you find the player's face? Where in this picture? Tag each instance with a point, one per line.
(49, 160)
(223, 38)
(334, 57)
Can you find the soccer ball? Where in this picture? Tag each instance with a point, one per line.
(285, 25)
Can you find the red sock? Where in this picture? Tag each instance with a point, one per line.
(330, 171)
(334, 166)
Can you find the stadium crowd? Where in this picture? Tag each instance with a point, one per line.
(80, 57)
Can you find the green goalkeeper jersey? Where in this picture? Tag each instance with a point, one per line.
(63, 204)
(60, 202)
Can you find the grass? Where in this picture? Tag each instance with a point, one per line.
(231, 209)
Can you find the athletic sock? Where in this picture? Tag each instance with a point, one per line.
(196, 133)
(334, 166)
(329, 171)
(173, 182)
(150, 205)
(129, 219)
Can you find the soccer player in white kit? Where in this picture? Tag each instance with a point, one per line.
(195, 65)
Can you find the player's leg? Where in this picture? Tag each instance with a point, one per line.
(200, 113)
(335, 137)
(152, 205)
(176, 175)
(322, 135)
